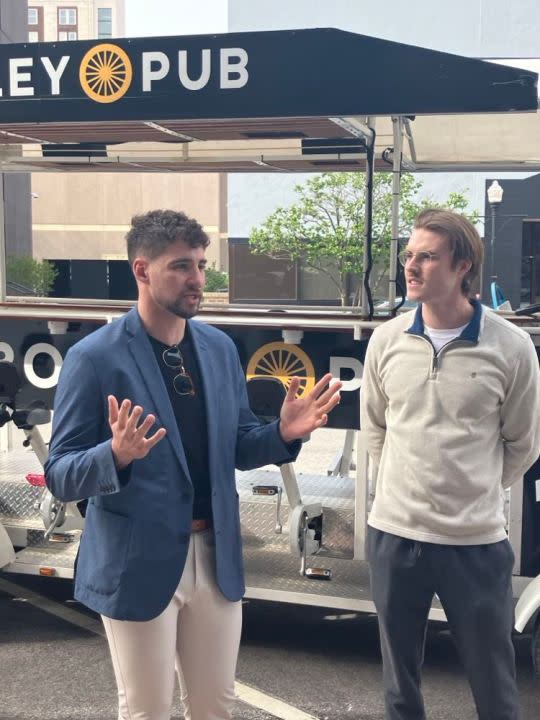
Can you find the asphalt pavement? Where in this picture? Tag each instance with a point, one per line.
(320, 663)
(300, 662)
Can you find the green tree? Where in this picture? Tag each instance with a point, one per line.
(324, 228)
(36, 275)
(216, 279)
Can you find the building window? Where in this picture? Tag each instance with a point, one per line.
(35, 24)
(104, 22)
(67, 23)
(67, 16)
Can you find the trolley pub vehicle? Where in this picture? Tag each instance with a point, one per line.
(304, 100)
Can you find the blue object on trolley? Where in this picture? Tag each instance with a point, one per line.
(497, 297)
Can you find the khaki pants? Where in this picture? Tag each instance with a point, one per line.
(198, 633)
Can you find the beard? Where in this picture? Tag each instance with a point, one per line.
(181, 308)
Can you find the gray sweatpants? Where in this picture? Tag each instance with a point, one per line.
(474, 585)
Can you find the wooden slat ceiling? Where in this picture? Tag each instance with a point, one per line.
(223, 145)
(171, 131)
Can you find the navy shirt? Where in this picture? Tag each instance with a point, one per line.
(190, 414)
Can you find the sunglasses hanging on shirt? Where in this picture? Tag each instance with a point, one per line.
(182, 383)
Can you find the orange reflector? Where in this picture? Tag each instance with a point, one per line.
(47, 571)
(36, 479)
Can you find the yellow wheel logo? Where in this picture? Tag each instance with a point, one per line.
(282, 361)
(105, 73)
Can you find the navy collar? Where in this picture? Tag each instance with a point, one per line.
(470, 333)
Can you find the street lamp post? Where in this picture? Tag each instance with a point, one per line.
(495, 196)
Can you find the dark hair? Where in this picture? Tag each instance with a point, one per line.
(464, 241)
(151, 233)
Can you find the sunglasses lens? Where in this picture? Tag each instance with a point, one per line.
(172, 357)
(183, 385)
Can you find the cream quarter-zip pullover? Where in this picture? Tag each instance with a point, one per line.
(450, 429)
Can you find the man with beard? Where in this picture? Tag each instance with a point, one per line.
(151, 418)
(450, 407)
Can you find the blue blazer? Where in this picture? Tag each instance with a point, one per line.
(138, 521)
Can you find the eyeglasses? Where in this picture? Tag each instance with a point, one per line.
(182, 383)
(423, 257)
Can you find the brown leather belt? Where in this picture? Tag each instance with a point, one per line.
(200, 525)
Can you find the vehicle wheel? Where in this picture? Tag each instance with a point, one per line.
(535, 648)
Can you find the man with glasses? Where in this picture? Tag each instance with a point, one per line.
(450, 408)
(151, 418)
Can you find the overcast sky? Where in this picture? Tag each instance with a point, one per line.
(175, 17)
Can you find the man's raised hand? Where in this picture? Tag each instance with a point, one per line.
(300, 416)
(129, 441)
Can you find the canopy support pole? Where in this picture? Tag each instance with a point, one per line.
(367, 301)
(397, 126)
(3, 274)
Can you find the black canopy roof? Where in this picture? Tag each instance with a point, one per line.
(259, 88)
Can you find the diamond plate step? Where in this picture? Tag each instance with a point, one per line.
(19, 499)
(15, 464)
(19, 503)
(58, 556)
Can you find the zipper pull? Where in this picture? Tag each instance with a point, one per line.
(434, 364)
